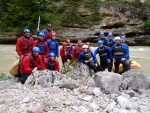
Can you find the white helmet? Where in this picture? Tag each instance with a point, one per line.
(85, 46)
(117, 38)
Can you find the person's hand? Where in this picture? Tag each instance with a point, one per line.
(114, 60)
(34, 70)
(108, 60)
(86, 61)
(21, 57)
(96, 64)
(122, 59)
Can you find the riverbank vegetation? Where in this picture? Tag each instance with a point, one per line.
(16, 15)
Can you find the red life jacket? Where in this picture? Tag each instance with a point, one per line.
(27, 44)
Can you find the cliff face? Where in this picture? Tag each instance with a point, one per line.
(117, 17)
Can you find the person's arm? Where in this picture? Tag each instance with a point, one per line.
(73, 53)
(18, 46)
(81, 58)
(96, 51)
(57, 68)
(26, 64)
(94, 58)
(108, 53)
(57, 49)
(40, 64)
(47, 49)
(35, 43)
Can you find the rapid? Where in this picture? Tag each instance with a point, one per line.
(139, 54)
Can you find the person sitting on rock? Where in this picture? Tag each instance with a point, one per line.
(64, 53)
(110, 44)
(120, 54)
(30, 64)
(104, 55)
(52, 62)
(103, 38)
(53, 45)
(70, 48)
(88, 58)
(44, 49)
(77, 50)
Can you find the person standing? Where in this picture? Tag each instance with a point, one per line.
(44, 49)
(103, 38)
(70, 49)
(104, 55)
(53, 45)
(77, 50)
(30, 64)
(120, 54)
(88, 58)
(24, 44)
(64, 53)
(109, 44)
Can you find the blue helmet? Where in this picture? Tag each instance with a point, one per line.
(26, 31)
(42, 34)
(51, 54)
(100, 42)
(36, 49)
(110, 34)
(122, 37)
(101, 33)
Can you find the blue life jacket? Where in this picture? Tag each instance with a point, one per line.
(53, 45)
(70, 48)
(51, 66)
(42, 47)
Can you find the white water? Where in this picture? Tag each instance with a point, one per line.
(141, 54)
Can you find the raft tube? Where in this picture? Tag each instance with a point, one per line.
(14, 68)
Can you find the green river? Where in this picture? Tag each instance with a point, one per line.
(141, 54)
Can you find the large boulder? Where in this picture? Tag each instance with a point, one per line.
(108, 82)
(135, 79)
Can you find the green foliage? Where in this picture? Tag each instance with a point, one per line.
(147, 23)
(3, 76)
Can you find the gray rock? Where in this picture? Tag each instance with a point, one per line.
(96, 91)
(108, 82)
(135, 79)
(91, 82)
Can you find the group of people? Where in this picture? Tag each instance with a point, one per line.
(42, 53)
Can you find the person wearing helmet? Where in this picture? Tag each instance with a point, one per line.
(109, 44)
(104, 55)
(52, 62)
(120, 54)
(48, 32)
(30, 64)
(77, 50)
(88, 58)
(24, 44)
(64, 53)
(123, 38)
(89, 45)
(44, 49)
(70, 48)
(103, 38)
(53, 45)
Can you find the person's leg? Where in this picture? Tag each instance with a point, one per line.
(99, 68)
(92, 66)
(63, 61)
(125, 65)
(117, 63)
(24, 77)
(103, 65)
(69, 57)
(110, 65)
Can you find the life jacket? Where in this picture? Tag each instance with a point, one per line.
(49, 34)
(118, 51)
(69, 49)
(102, 51)
(53, 45)
(42, 47)
(65, 51)
(109, 44)
(88, 56)
(77, 52)
(27, 44)
(51, 66)
(33, 63)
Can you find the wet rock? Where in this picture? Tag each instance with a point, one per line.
(108, 82)
(135, 79)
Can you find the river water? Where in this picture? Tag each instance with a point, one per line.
(141, 54)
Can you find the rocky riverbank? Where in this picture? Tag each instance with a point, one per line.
(53, 92)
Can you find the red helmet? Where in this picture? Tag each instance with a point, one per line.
(54, 34)
(68, 41)
(88, 43)
(64, 44)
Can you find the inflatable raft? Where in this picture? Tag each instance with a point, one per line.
(133, 65)
(14, 68)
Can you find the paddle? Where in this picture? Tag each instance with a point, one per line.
(38, 28)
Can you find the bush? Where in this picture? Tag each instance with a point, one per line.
(3, 76)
